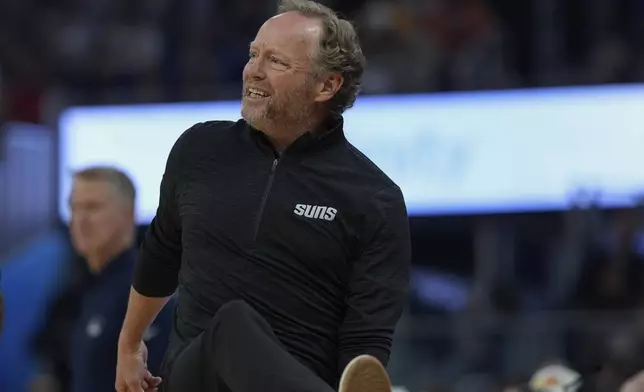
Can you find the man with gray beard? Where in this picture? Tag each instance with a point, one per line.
(289, 249)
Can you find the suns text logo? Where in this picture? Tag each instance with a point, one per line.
(315, 212)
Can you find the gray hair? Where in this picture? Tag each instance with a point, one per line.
(117, 178)
(339, 50)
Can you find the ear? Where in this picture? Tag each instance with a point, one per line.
(133, 212)
(328, 87)
(130, 210)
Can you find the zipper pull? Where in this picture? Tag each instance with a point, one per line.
(275, 162)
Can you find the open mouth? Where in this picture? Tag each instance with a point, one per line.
(256, 94)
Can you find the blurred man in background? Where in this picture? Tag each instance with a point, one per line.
(103, 234)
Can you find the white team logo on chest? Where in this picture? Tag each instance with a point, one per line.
(315, 212)
(95, 326)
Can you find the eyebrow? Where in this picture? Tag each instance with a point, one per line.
(270, 50)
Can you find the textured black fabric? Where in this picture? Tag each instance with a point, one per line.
(239, 352)
(315, 239)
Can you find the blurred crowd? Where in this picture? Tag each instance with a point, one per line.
(532, 290)
(566, 289)
(102, 51)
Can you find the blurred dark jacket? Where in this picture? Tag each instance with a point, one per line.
(52, 344)
(79, 344)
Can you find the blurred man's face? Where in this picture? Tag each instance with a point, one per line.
(101, 219)
(279, 84)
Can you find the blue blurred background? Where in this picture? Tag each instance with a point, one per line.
(515, 129)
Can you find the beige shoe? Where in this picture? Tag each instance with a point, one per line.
(365, 374)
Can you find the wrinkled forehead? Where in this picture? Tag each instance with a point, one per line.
(290, 33)
(93, 190)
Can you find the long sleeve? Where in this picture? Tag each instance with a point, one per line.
(380, 280)
(157, 268)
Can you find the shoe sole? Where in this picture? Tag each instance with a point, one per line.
(365, 374)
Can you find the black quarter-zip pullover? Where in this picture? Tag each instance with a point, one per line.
(316, 239)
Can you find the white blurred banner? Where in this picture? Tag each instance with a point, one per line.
(519, 150)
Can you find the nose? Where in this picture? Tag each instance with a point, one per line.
(80, 218)
(254, 69)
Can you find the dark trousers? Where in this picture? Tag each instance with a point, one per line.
(239, 352)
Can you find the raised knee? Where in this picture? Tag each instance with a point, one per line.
(234, 310)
